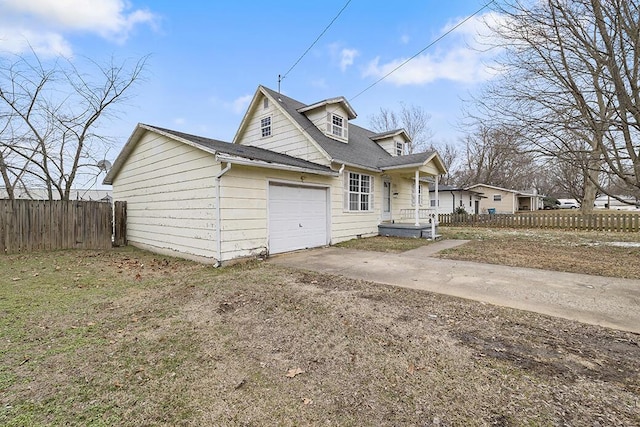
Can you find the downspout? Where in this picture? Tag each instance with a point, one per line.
(417, 200)
(218, 213)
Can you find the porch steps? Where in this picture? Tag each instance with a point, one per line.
(422, 231)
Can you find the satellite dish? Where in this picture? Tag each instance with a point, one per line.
(104, 165)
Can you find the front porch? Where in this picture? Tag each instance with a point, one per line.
(405, 192)
(425, 228)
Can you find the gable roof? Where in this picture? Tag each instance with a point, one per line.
(390, 133)
(516, 192)
(360, 151)
(225, 151)
(339, 100)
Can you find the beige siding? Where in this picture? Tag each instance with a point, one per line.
(404, 187)
(348, 225)
(244, 212)
(389, 144)
(319, 119)
(285, 137)
(508, 204)
(244, 209)
(170, 193)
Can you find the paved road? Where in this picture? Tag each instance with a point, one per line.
(604, 301)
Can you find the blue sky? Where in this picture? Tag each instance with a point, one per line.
(208, 57)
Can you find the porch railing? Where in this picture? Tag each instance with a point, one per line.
(426, 214)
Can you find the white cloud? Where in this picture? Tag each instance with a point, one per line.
(462, 59)
(17, 40)
(404, 39)
(44, 23)
(346, 58)
(239, 105)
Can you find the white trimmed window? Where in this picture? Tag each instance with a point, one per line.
(265, 126)
(413, 194)
(336, 125)
(399, 148)
(358, 192)
(497, 197)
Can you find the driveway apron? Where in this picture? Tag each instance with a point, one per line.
(603, 301)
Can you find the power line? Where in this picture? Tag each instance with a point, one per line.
(280, 78)
(446, 33)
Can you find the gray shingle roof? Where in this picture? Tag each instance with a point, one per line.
(361, 150)
(245, 151)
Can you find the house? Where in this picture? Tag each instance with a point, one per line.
(452, 197)
(503, 200)
(295, 176)
(38, 193)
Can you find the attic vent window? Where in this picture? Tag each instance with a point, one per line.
(337, 125)
(265, 103)
(265, 126)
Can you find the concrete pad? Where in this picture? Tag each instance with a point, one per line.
(603, 301)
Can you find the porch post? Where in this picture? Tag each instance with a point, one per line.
(437, 199)
(417, 192)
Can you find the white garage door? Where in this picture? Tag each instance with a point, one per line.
(297, 218)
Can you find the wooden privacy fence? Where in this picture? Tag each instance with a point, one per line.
(570, 221)
(37, 225)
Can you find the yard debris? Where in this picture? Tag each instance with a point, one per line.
(306, 401)
(15, 279)
(293, 372)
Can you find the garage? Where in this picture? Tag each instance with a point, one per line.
(297, 217)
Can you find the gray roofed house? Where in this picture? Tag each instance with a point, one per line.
(295, 176)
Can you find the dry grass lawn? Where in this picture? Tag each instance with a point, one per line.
(128, 338)
(592, 252)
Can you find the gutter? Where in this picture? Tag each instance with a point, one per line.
(218, 213)
(279, 166)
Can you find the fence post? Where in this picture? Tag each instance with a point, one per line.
(120, 224)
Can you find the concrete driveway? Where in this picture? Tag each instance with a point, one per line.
(604, 301)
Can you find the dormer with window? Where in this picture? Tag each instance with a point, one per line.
(393, 142)
(331, 116)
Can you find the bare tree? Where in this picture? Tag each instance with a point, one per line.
(413, 119)
(569, 79)
(49, 114)
(496, 157)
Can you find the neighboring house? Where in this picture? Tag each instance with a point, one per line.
(451, 198)
(41, 194)
(296, 176)
(504, 200)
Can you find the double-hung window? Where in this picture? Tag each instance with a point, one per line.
(497, 197)
(336, 126)
(359, 190)
(399, 148)
(265, 126)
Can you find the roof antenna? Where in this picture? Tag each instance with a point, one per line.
(279, 81)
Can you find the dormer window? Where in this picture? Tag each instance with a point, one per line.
(399, 148)
(265, 126)
(336, 125)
